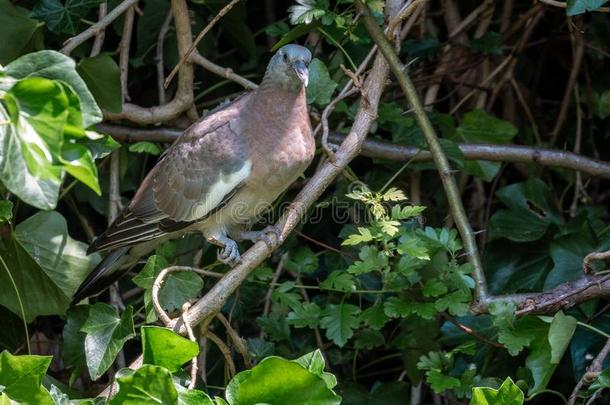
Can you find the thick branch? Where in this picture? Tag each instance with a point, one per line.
(183, 99)
(385, 150)
(440, 160)
(562, 297)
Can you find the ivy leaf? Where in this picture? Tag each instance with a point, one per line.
(306, 315)
(321, 86)
(106, 334)
(21, 377)
(102, 75)
(279, 381)
(147, 385)
(74, 339)
(575, 7)
(560, 334)
(508, 394)
(16, 25)
(145, 147)
(339, 322)
(314, 362)
(63, 17)
(164, 347)
(6, 211)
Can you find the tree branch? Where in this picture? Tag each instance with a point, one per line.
(440, 160)
(95, 29)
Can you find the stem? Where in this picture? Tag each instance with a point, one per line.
(440, 160)
(25, 325)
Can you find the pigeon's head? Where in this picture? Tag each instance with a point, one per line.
(289, 66)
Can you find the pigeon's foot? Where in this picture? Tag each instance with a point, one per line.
(271, 235)
(229, 253)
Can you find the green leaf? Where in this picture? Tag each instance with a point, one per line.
(538, 360)
(339, 280)
(56, 66)
(74, 339)
(46, 264)
(6, 211)
(560, 334)
(147, 385)
(508, 394)
(21, 377)
(321, 86)
(106, 334)
(509, 333)
(340, 321)
(368, 339)
(371, 260)
(278, 381)
(395, 307)
(434, 287)
(478, 126)
(441, 382)
(305, 315)
(374, 316)
(177, 288)
(164, 347)
(601, 104)
(145, 147)
(102, 76)
(530, 212)
(364, 235)
(575, 7)
(314, 362)
(192, 397)
(79, 163)
(63, 17)
(303, 261)
(59, 398)
(307, 11)
(16, 25)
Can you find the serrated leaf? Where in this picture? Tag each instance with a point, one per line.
(339, 321)
(374, 316)
(145, 147)
(306, 315)
(339, 280)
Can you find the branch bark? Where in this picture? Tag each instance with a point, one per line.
(385, 150)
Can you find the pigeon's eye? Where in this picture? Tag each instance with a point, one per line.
(285, 57)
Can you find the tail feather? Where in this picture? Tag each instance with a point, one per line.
(103, 275)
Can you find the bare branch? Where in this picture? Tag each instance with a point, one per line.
(227, 73)
(99, 38)
(185, 57)
(592, 372)
(74, 42)
(159, 56)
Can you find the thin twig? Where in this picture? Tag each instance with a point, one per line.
(577, 57)
(224, 349)
(238, 341)
(74, 42)
(227, 73)
(278, 271)
(578, 186)
(99, 38)
(587, 266)
(159, 56)
(188, 53)
(192, 338)
(324, 121)
(592, 372)
(440, 160)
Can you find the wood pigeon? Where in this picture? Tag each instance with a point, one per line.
(219, 176)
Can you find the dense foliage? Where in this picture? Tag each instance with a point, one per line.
(374, 297)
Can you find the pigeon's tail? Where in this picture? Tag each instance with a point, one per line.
(103, 275)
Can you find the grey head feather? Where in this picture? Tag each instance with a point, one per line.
(288, 68)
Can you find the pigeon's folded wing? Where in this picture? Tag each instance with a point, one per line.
(198, 175)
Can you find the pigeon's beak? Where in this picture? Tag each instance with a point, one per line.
(301, 70)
